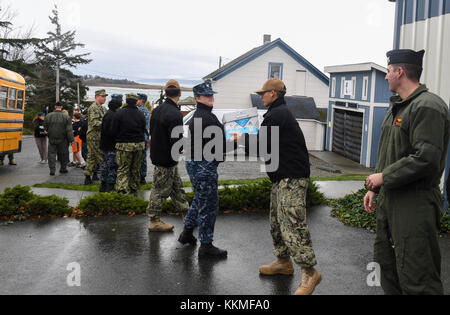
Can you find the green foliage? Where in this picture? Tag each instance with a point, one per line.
(350, 210)
(111, 204)
(14, 199)
(251, 197)
(20, 202)
(29, 116)
(47, 206)
(445, 222)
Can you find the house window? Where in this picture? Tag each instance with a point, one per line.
(276, 71)
(353, 87)
(333, 87)
(365, 91)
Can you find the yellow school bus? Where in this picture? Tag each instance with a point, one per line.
(12, 105)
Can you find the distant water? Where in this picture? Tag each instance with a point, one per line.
(153, 95)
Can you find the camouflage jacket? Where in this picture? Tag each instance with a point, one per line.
(95, 114)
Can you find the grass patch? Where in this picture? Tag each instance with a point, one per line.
(227, 182)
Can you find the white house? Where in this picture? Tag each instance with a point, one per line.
(238, 79)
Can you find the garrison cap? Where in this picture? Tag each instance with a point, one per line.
(100, 93)
(172, 85)
(132, 96)
(204, 89)
(143, 97)
(272, 85)
(407, 56)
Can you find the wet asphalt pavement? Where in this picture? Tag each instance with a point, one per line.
(117, 255)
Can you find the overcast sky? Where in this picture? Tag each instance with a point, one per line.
(183, 39)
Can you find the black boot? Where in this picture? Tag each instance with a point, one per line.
(88, 180)
(210, 251)
(186, 237)
(95, 178)
(103, 187)
(110, 188)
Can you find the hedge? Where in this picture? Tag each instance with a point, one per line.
(350, 210)
(20, 203)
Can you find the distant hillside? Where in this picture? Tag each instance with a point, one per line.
(96, 80)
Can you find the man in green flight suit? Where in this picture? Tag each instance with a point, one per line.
(95, 113)
(411, 160)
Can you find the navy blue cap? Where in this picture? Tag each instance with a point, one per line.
(41, 114)
(143, 97)
(406, 56)
(117, 97)
(204, 89)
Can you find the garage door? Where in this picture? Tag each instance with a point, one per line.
(347, 134)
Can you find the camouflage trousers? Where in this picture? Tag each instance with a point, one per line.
(290, 233)
(166, 183)
(129, 159)
(144, 160)
(95, 155)
(109, 168)
(205, 205)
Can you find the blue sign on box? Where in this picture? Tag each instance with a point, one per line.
(244, 121)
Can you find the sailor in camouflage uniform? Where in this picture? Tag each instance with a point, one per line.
(166, 177)
(95, 115)
(129, 133)
(290, 232)
(143, 108)
(108, 146)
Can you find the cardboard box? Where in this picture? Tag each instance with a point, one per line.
(244, 121)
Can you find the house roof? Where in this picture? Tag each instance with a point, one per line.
(301, 107)
(368, 66)
(258, 51)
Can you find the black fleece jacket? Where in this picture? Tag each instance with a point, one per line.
(294, 156)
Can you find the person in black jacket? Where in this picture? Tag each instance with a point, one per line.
(128, 130)
(290, 179)
(108, 146)
(202, 170)
(41, 137)
(166, 176)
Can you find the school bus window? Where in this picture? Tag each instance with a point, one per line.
(3, 96)
(20, 100)
(12, 98)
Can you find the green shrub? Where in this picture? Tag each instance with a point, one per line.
(350, 210)
(111, 204)
(20, 203)
(251, 197)
(13, 200)
(48, 206)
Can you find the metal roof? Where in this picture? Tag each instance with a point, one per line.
(358, 67)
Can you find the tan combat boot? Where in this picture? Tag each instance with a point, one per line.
(311, 278)
(156, 225)
(283, 266)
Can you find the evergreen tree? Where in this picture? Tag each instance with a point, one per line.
(56, 56)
